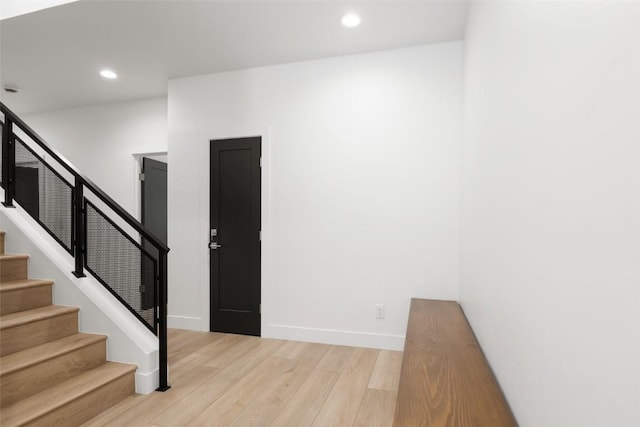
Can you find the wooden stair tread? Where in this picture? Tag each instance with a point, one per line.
(16, 285)
(49, 400)
(31, 356)
(23, 317)
(13, 256)
(444, 374)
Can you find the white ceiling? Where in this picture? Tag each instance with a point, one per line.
(54, 55)
(11, 8)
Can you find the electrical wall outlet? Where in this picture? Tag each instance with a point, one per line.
(379, 311)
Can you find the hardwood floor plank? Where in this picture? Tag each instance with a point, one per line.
(376, 409)
(243, 366)
(290, 349)
(239, 367)
(336, 358)
(186, 364)
(177, 337)
(266, 406)
(173, 333)
(224, 379)
(342, 404)
(386, 373)
(188, 345)
(303, 407)
(181, 413)
(116, 410)
(220, 345)
(148, 407)
(239, 396)
(233, 352)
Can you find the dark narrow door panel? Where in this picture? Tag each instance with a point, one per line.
(28, 190)
(235, 254)
(154, 217)
(154, 197)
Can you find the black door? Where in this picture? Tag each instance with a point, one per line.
(154, 217)
(28, 190)
(235, 236)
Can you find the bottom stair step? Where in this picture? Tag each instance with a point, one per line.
(74, 401)
(36, 369)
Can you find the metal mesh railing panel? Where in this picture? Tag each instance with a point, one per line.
(1, 175)
(122, 266)
(44, 194)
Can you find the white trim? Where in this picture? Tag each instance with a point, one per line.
(146, 382)
(150, 154)
(185, 322)
(336, 337)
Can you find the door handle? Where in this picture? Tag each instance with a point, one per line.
(214, 245)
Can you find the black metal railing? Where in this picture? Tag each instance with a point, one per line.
(102, 237)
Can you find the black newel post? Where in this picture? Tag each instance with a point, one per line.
(78, 227)
(162, 321)
(8, 162)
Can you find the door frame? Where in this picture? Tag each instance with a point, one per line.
(263, 203)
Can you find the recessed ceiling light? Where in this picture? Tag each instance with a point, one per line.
(108, 74)
(351, 20)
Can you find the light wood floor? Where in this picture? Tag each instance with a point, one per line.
(232, 380)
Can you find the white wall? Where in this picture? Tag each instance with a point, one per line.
(551, 206)
(360, 189)
(100, 141)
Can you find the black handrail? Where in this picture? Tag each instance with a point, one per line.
(80, 180)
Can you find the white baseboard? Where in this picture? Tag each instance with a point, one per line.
(146, 382)
(184, 322)
(336, 337)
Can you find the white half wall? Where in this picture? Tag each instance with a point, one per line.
(360, 180)
(101, 141)
(550, 272)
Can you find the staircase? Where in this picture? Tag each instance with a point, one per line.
(49, 373)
